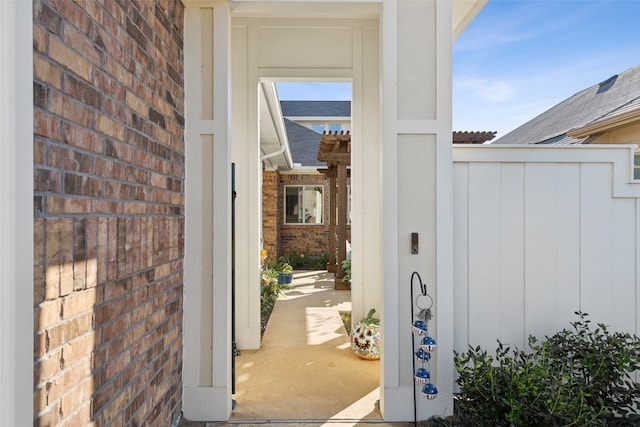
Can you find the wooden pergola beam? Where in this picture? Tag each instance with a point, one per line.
(335, 149)
(342, 158)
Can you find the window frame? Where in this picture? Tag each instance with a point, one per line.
(304, 188)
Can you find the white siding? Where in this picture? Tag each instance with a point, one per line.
(539, 233)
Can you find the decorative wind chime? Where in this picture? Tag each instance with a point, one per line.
(427, 345)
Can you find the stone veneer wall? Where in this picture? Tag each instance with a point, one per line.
(109, 211)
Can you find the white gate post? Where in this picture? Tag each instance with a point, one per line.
(16, 213)
(417, 196)
(207, 278)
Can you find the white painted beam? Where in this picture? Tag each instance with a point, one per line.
(16, 213)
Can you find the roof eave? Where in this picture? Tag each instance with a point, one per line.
(463, 12)
(271, 96)
(605, 125)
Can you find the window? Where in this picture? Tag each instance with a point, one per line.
(329, 127)
(318, 127)
(303, 204)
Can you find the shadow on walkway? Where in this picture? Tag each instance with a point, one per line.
(305, 373)
(305, 368)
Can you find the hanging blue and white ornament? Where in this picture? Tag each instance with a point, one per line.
(419, 328)
(422, 376)
(428, 344)
(422, 356)
(429, 391)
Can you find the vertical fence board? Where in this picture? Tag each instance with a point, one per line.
(512, 254)
(623, 263)
(568, 238)
(461, 255)
(484, 271)
(596, 248)
(540, 248)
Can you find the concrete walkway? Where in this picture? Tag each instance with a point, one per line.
(305, 372)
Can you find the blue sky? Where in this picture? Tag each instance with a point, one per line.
(519, 58)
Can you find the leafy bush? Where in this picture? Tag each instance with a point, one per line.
(579, 377)
(307, 262)
(270, 289)
(346, 268)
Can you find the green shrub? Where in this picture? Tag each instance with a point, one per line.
(270, 289)
(307, 262)
(579, 377)
(346, 268)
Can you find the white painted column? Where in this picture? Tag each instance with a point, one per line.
(207, 278)
(16, 213)
(246, 156)
(417, 197)
(366, 181)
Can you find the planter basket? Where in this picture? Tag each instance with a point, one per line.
(285, 278)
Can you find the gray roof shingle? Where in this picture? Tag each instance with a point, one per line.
(303, 144)
(316, 108)
(611, 97)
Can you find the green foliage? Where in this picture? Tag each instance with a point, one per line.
(308, 262)
(437, 421)
(270, 289)
(579, 377)
(283, 265)
(346, 268)
(346, 320)
(270, 272)
(370, 320)
(286, 268)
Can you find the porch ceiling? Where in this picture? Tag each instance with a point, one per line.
(463, 11)
(305, 9)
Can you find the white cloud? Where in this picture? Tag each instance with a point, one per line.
(494, 91)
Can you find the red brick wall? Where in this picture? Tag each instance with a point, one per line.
(270, 197)
(307, 239)
(109, 202)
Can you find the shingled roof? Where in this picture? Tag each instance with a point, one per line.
(316, 108)
(303, 144)
(611, 97)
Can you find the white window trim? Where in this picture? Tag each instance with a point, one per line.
(304, 186)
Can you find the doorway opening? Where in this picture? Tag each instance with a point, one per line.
(305, 368)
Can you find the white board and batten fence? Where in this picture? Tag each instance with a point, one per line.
(539, 233)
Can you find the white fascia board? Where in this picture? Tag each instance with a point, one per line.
(275, 112)
(354, 9)
(302, 170)
(319, 118)
(463, 12)
(610, 123)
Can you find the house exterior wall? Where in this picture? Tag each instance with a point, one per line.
(109, 168)
(625, 134)
(541, 232)
(270, 196)
(629, 134)
(304, 239)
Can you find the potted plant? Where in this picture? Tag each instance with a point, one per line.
(365, 337)
(285, 273)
